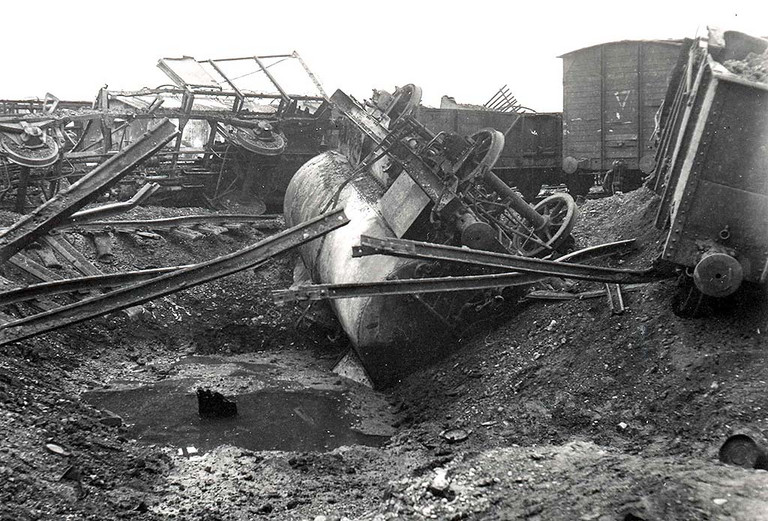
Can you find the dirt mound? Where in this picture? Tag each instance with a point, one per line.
(40, 379)
(556, 410)
(646, 380)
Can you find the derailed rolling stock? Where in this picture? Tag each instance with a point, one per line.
(711, 168)
(397, 179)
(612, 93)
(532, 153)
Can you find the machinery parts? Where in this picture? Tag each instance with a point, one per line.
(718, 274)
(455, 175)
(28, 145)
(262, 139)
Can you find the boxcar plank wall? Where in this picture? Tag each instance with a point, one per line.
(611, 93)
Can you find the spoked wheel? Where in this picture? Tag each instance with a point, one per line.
(488, 144)
(404, 102)
(560, 213)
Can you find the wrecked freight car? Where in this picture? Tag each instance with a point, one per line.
(414, 196)
(396, 179)
(246, 124)
(710, 169)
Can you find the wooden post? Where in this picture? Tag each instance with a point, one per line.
(21, 191)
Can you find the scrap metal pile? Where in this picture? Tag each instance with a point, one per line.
(245, 125)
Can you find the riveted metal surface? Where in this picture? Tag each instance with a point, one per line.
(721, 192)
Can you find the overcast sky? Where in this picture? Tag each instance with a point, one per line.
(463, 49)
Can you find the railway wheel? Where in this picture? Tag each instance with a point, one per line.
(263, 140)
(560, 213)
(488, 144)
(30, 147)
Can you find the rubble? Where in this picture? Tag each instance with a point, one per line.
(597, 404)
(754, 67)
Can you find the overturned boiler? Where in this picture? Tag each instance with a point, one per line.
(396, 179)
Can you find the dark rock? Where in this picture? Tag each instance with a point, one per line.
(111, 419)
(211, 404)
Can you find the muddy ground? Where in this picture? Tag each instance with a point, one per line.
(550, 410)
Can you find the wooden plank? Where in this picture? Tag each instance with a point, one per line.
(45, 252)
(63, 247)
(36, 270)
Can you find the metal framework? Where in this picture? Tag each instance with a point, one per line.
(209, 99)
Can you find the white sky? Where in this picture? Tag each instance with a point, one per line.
(464, 49)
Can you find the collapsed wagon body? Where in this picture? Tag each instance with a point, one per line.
(712, 168)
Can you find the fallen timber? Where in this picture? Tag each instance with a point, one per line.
(172, 282)
(63, 205)
(441, 284)
(262, 222)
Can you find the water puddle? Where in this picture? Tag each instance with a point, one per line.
(165, 413)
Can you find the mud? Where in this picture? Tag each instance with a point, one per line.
(568, 412)
(274, 411)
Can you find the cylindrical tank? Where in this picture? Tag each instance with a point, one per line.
(391, 334)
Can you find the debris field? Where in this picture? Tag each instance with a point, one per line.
(223, 300)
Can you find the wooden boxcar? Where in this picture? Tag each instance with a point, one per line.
(611, 94)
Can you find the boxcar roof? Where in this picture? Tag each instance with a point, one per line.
(660, 42)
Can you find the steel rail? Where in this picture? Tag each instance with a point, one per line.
(439, 284)
(270, 221)
(429, 251)
(90, 282)
(60, 207)
(57, 287)
(106, 210)
(172, 282)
